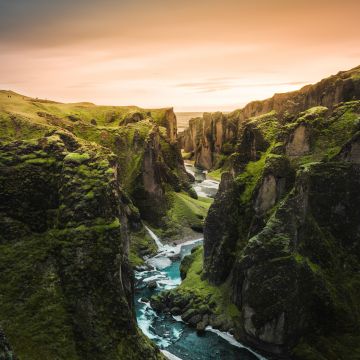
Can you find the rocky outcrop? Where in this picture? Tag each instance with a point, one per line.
(208, 137)
(167, 119)
(214, 136)
(76, 180)
(220, 232)
(267, 194)
(65, 277)
(298, 144)
(171, 124)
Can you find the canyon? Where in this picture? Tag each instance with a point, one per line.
(84, 189)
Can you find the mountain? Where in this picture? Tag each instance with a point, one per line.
(281, 258)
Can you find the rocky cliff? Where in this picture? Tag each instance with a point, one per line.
(289, 244)
(75, 182)
(213, 137)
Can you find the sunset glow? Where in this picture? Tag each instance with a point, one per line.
(203, 55)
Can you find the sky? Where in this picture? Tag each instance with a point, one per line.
(199, 55)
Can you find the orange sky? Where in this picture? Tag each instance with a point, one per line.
(193, 55)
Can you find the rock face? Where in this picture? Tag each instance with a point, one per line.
(298, 144)
(208, 137)
(216, 135)
(284, 231)
(66, 281)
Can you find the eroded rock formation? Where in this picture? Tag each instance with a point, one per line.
(217, 134)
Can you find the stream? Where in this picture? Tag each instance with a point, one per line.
(175, 339)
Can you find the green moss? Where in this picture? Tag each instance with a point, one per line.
(268, 125)
(328, 134)
(203, 290)
(90, 195)
(184, 212)
(41, 161)
(215, 174)
(76, 158)
(301, 259)
(332, 348)
(186, 156)
(38, 325)
(251, 176)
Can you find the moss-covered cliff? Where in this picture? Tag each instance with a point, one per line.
(75, 182)
(281, 241)
(65, 278)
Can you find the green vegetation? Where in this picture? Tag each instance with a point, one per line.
(186, 156)
(251, 176)
(185, 214)
(215, 174)
(40, 111)
(298, 254)
(204, 296)
(267, 124)
(76, 158)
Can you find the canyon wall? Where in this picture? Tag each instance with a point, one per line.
(288, 242)
(214, 136)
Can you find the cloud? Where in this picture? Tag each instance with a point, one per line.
(225, 83)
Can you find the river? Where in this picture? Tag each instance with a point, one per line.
(174, 337)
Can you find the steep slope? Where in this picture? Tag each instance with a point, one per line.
(281, 259)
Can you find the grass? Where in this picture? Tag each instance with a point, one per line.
(219, 295)
(185, 215)
(216, 174)
(251, 176)
(35, 111)
(186, 210)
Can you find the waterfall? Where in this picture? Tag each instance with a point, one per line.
(155, 238)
